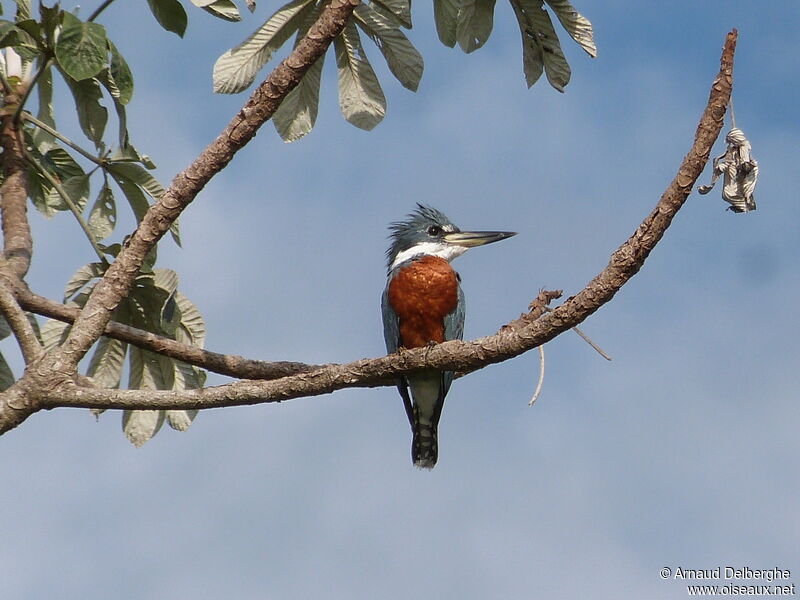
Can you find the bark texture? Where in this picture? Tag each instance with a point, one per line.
(17, 241)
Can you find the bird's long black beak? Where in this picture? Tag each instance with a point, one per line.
(470, 239)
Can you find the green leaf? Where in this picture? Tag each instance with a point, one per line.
(81, 48)
(44, 87)
(445, 12)
(54, 333)
(187, 377)
(23, 9)
(361, 98)
(38, 186)
(6, 27)
(223, 9)
(192, 329)
(110, 84)
(91, 115)
(37, 190)
(166, 279)
(132, 178)
(139, 426)
(170, 15)
(578, 27)
(147, 305)
(404, 61)
(34, 31)
(6, 375)
(107, 362)
(128, 153)
(103, 216)
(111, 249)
(34, 321)
(149, 371)
(159, 372)
(76, 188)
(18, 38)
(138, 175)
(399, 9)
(59, 162)
(135, 368)
(149, 260)
(181, 420)
(120, 74)
(541, 44)
(532, 59)
(50, 18)
(175, 232)
(236, 69)
(134, 195)
(475, 22)
(5, 330)
(81, 277)
(297, 113)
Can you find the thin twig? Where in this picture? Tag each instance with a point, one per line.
(99, 10)
(56, 134)
(588, 340)
(71, 205)
(585, 338)
(541, 377)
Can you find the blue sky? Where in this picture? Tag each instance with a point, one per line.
(683, 451)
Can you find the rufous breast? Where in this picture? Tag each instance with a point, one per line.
(421, 294)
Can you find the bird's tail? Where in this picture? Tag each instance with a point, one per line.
(424, 446)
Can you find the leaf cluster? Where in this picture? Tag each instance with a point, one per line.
(467, 23)
(154, 305)
(59, 170)
(61, 175)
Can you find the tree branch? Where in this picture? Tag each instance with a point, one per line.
(519, 336)
(71, 205)
(16, 318)
(224, 364)
(262, 104)
(17, 240)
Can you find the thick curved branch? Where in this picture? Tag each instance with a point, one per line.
(17, 240)
(262, 104)
(519, 336)
(16, 318)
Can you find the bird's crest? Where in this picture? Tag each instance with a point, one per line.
(415, 229)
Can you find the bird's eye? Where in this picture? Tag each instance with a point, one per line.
(434, 230)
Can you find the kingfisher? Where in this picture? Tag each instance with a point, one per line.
(423, 304)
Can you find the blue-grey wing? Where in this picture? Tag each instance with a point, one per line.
(453, 330)
(391, 335)
(391, 324)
